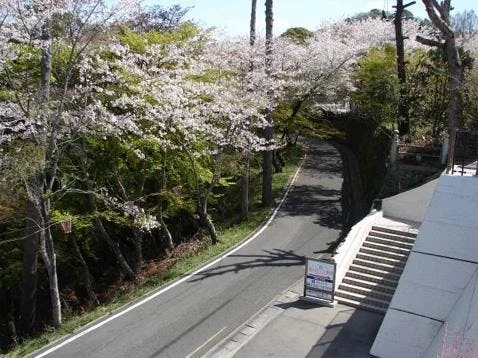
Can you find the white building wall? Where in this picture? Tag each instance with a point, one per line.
(436, 301)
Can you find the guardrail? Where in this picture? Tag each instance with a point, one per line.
(465, 158)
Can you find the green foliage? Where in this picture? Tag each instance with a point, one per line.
(24, 71)
(298, 34)
(374, 14)
(471, 99)
(376, 97)
(427, 93)
(308, 121)
(377, 86)
(11, 266)
(139, 42)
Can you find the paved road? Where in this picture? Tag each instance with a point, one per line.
(191, 317)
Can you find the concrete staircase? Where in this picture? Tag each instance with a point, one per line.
(373, 276)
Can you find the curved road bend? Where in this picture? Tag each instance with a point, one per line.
(191, 317)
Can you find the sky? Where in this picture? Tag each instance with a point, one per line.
(231, 17)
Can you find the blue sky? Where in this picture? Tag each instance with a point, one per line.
(232, 16)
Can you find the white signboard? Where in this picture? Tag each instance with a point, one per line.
(319, 279)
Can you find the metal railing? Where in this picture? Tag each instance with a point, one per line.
(465, 158)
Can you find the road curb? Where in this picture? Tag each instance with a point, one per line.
(230, 345)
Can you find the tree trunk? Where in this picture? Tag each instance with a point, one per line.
(30, 266)
(113, 245)
(280, 159)
(439, 14)
(252, 32)
(267, 170)
(10, 319)
(290, 120)
(269, 130)
(203, 214)
(403, 108)
(86, 273)
(277, 161)
(246, 154)
(125, 267)
(138, 245)
(48, 254)
(455, 82)
(207, 223)
(47, 248)
(201, 210)
(245, 187)
(164, 227)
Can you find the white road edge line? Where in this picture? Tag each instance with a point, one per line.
(205, 343)
(174, 284)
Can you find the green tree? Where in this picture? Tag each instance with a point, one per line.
(377, 87)
(298, 34)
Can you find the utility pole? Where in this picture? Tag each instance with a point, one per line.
(403, 108)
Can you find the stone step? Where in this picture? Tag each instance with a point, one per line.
(383, 247)
(381, 259)
(379, 285)
(362, 298)
(388, 242)
(360, 305)
(384, 253)
(412, 233)
(393, 237)
(389, 275)
(366, 291)
(357, 275)
(378, 265)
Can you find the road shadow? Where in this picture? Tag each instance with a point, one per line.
(326, 161)
(269, 258)
(315, 200)
(350, 334)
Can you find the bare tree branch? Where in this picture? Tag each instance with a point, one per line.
(439, 21)
(430, 42)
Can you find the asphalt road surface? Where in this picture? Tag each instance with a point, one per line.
(187, 319)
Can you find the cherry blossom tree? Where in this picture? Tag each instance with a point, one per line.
(323, 64)
(182, 96)
(32, 34)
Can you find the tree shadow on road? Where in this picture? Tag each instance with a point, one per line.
(325, 161)
(315, 200)
(270, 258)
